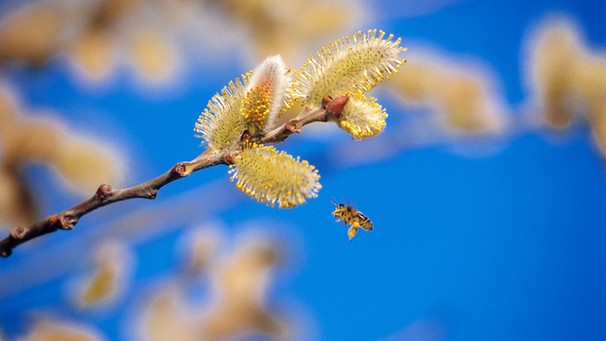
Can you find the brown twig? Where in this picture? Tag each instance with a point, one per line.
(106, 194)
(294, 125)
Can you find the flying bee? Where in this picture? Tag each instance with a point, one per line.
(349, 215)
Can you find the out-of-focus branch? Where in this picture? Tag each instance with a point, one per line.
(106, 194)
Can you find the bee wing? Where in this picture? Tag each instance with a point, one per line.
(365, 222)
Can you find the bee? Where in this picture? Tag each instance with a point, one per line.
(349, 215)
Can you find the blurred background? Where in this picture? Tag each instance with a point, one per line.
(487, 189)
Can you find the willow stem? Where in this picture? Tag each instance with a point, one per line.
(106, 194)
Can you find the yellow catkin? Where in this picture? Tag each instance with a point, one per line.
(352, 64)
(253, 103)
(267, 95)
(256, 106)
(274, 178)
(221, 124)
(362, 117)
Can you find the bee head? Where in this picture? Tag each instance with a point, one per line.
(336, 203)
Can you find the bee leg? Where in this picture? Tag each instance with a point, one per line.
(352, 230)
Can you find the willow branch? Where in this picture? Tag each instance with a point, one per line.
(294, 125)
(106, 194)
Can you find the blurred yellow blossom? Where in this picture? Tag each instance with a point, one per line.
(154, 55)
(93, 36)
(240, 279)
(240, 284)
(288, 27)
(201, 246)
(568, 78)
(93, 54)
(50, 330)
(553, 56)
(108, 280)
(81, 161)
(167, 317)
(19, 40)
(461, 92)
(85, 162)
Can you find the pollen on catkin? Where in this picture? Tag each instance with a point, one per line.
(267, 95)
(352, 64)
(221, 124)
(256, 106)
(362, 117)
(274, 178)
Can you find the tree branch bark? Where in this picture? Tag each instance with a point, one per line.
(106, 194)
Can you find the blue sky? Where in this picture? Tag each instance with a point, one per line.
(505, 245)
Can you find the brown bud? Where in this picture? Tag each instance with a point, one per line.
(18, 232)
(245, 135)
(334, 108)
(325, 101)
(104, 191)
